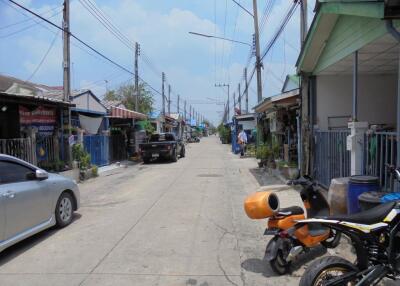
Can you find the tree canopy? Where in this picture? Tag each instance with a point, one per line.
(127, 94)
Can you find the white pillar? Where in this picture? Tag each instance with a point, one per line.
(355, 144)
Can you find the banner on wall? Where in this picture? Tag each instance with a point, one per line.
(44, 119)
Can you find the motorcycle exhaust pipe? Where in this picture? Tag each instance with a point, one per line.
(261, 205)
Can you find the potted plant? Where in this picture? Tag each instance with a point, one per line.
(275, 151)
(263, 153)
(83, 158)
(293, 170)
(288, 169)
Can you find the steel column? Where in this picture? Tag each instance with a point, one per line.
(355, 86)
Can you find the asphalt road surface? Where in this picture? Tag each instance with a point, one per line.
(159, 224)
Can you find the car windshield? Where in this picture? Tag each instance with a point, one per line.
(161, 137)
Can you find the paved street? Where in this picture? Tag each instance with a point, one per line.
(157, 224)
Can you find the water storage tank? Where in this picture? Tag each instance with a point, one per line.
(337, 196)
(369, 200)
(357, 186)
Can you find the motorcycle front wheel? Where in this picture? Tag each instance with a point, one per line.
(278, 262)
(325, 269)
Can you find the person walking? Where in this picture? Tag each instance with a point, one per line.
(242, 140)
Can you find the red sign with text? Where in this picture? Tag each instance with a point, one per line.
(42, 118)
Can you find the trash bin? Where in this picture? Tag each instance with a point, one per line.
(368, 200)
(357, 186)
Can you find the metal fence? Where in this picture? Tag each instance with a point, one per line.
(331, 159)
(117, 148)
(47, 149)
(97, 146)
(22, 148)
(379, 150)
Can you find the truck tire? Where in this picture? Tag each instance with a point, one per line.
(183, 151)
(174, 157)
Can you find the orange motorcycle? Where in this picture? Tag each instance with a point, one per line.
(288, 242)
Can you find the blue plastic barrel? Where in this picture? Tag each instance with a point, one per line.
(357, 186)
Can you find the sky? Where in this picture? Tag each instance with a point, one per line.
(31, 49)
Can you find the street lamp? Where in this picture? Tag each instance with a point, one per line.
(220, 38)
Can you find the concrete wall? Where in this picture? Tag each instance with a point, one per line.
(376, 101)
(87, 102)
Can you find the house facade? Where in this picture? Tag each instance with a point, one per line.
(278, 120)
(33, 126)
(349, 90)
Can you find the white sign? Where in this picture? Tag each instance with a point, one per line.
(71, 140)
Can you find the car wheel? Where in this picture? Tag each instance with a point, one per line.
(64, 210)
(146, 160)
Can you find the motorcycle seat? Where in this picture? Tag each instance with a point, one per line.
(371, 216)
(294, 210)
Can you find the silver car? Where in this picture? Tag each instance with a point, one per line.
(32, 200)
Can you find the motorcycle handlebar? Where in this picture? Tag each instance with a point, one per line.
(300, 182)
(393, 170)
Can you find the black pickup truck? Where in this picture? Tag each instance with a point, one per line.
(162, 145)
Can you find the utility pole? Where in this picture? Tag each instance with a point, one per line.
(163, 93)
(66, 53)
(169, 99)
(184, 110)
(246, 90)
(227, 85)
(178, 103)
(234, 102)
(240, 100)
(137, 53)
(258, 57)
(190, 113)
(66, 78)
(303, 21)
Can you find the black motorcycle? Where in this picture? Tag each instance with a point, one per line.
(375, 235)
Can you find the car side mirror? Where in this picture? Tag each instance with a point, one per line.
(41, 175)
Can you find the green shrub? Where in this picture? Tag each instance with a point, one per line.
(263, 152)
(95, 171)
(79, 154)
(224, 133)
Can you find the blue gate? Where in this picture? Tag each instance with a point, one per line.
(97, 146)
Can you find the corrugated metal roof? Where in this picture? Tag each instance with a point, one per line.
(14, 87)
(112, 103)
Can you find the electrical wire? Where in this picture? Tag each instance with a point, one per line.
(234, 45)
(278, 32)
(83, 43)
(267, 12)
(44, 57)
(272, 42)
(104, 19)
(26, 28)
(28, 19)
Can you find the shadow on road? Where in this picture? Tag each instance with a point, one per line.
(262, 266)
(161, 161)
(17, 249)
(263, 178)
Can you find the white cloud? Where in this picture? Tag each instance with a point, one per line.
(187, 60)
